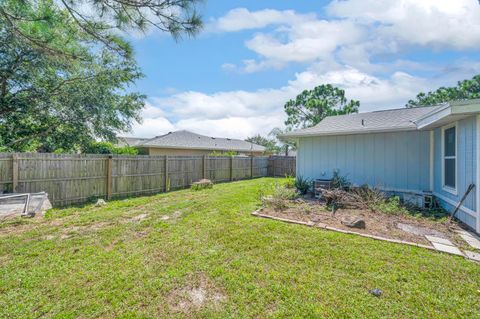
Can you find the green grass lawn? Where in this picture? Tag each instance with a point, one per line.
(201, 254)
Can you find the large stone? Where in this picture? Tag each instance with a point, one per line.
(100, 202)
(354, 222)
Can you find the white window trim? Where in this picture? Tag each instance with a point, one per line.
(449, 189)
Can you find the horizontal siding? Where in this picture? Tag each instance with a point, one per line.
(386, 160)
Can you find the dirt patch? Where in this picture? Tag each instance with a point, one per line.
(198, 293)
(139, 218)
(400, 227)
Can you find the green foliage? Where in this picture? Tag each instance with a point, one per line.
(280, 197)
(100, 20)
(303, 184)
(284, 146)
(225, 153)
(108, 148)
(312, 106)
(339, 181)
(66, 97)
(269, 144)
(465, 90)
(289, 181)
(391, 206)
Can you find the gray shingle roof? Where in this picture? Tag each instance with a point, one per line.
(378, 121)
(190, 140)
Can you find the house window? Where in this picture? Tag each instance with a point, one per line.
(450, 158)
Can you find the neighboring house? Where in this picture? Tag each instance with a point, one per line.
(188, 143)
(413, 152)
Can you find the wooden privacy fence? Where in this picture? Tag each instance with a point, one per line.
(281, 166)
(78, 178)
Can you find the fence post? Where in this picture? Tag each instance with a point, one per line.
(231, 168)
(273, 161)
(14, 172)
(166, 174)
(109, 177)
(251, 166)
(205, 159)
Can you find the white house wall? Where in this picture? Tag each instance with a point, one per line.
(466, 170)
(393, 161)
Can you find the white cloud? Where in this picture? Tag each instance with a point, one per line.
(441, 24)
(242, 19)
(337, 51)
(355, 31)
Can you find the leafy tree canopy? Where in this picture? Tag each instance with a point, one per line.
(465, 90)
(312, 106)
(108, 148)
(284, 145)
(50, 100)
(270, 144)
(99, 19)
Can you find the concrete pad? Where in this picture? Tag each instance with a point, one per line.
(447, 249)
(472, 255)
(439, 240)
(472, 241)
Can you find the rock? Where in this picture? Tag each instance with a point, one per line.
(376, 292)
(202, 184)
(354, 223)
(100, 202)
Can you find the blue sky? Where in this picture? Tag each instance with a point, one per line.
(252, 56)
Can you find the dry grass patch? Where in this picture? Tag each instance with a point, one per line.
(199, 292)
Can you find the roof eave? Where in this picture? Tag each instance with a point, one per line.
(449, 113)
(363, 131)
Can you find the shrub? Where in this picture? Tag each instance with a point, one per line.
(303, 184)
(290, 181)
(339, 181)
(280, 197)
(390, 205)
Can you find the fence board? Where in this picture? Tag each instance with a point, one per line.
(73, 178)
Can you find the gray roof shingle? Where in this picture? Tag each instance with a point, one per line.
(189, 140)
(378, 121)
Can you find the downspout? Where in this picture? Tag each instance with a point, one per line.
(432, 151)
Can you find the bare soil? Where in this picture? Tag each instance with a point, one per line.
(392, 226)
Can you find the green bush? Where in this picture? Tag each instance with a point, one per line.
(391, 205)
(303, 184)
(289, 181)
(108, 148)
(339, 181)
(280, 197)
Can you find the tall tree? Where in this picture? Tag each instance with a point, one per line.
(270, 144)
(312, 106)
(60, 101)
(98, 18)
(65, 71)
(285, 145)
(465, 90)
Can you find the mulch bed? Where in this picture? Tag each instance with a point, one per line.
(398, 227)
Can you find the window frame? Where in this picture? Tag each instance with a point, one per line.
(451, 190)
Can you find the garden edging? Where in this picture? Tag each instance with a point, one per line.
(258, 213)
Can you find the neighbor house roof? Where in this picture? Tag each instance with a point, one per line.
(190, 140)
